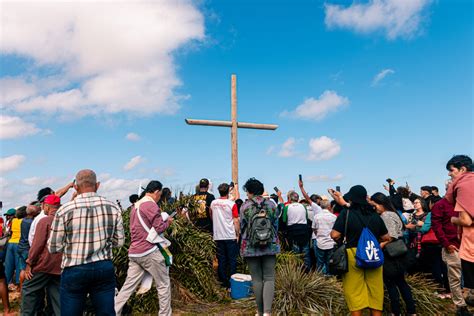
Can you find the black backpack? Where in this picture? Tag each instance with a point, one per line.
(261, 231)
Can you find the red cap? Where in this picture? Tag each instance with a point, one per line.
(52, 200)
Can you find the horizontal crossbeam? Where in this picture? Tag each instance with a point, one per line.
(229, 124)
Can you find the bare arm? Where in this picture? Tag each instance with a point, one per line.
(385, 242)
(337, 196)
(335, 235)
(386, 238)
(303, 191)
(280, 197)
(236, 191)
(237, 227)
(63, 190)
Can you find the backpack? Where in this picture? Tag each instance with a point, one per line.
(261, 231)
(369, 255)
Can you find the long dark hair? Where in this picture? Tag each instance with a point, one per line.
(425, 207)
(166, 195)
(383, 200)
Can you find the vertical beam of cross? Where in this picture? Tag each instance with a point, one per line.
(233, 133)
(234, 124)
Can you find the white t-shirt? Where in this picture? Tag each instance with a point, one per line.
(223, 213)
(315, 209)
(323, 222)
(296, 214)
(35, 222)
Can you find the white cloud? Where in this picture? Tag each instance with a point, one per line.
(39, 182)
(395, 18)
(270, 150)
(15, 89)
(133, 137)
(165, 172)
(317, 109)
(323, 148)
(381, 75)
(114, 56)
(323, 178)
(11, 163)
(15, 192)
(288, 148)
(133, 163)
(120, 189)
(14, 127)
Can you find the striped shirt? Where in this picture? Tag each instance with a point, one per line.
(86, 229)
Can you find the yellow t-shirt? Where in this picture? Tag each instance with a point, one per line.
(16, 231)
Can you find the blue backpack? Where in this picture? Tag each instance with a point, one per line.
(369, 255)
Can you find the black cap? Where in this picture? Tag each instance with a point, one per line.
(204, 183)
(357, 194)
(43, 193)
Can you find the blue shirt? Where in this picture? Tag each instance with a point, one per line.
(24, 245)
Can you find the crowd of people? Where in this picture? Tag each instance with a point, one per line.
(57, 254)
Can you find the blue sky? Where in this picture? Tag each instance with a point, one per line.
(361, 91)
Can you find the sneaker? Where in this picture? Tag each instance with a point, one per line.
(463, 311)
(12, 287)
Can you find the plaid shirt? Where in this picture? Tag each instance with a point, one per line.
(86, 229)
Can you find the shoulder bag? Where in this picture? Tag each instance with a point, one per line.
(338, 263)
(154, 238)
(397, 247)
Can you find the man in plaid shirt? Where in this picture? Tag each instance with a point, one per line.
(85, 230)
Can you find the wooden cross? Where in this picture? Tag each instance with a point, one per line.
(233, 124)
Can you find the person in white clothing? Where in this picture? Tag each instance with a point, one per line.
(295, 215)
(42, 194)
(226, 229)
(314, 200)
(322, 226)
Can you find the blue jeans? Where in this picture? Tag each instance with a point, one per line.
(227, 252)
(322, 257)
(303, 249)
(12, 263)
(315, 250)
(96, 279)
(23, 254)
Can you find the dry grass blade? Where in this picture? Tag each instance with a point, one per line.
(298, 292)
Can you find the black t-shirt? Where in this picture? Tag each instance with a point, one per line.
(356, 222)
(203, 219)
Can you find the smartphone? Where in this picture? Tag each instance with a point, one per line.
(173, 214)
(276, 189)
(406, 184)
(338, 188)
(231, 184)
(301, 178)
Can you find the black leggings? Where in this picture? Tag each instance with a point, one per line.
(394, 285)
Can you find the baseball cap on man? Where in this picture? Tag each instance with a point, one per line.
(204, 183)
(52, 200)
(10, 212)
(43, 193)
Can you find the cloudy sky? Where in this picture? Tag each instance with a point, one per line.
(361, 91)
